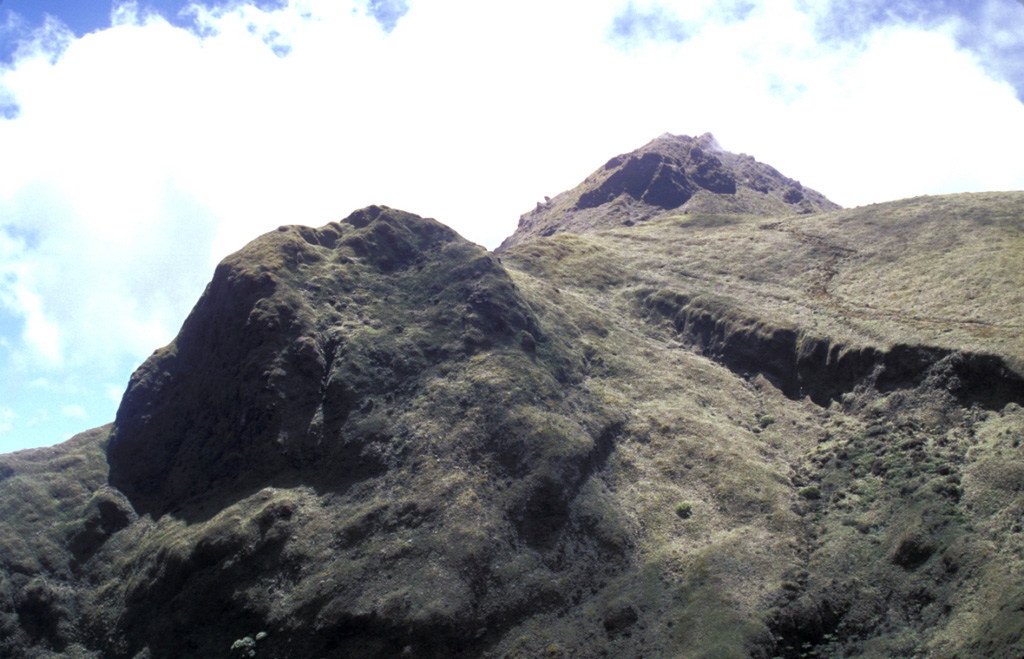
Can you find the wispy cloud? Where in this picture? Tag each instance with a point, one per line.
(639, 21)
(20, 298)
(73, 411)
(387, 12)
(635, 23)
(7, 417)
(992, 30)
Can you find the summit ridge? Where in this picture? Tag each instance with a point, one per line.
(672, 174)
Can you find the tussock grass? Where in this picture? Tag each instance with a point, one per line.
(607, 486)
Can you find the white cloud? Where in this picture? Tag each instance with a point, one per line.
(7, 417)
(19, 295)
(144, 153)
(910, 116)
(73, 411)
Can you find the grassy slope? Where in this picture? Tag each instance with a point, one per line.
(941, 271)
(849, 530)
(55, 508)
(883, 524)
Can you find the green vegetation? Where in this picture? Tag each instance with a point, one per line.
(375, 439)
(810, 492)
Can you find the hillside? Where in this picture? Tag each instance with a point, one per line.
(672, 416)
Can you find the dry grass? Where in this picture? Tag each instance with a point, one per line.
(529, 502)
(942, 271)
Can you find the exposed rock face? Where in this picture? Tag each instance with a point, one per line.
(651, 178)
(805, 365)
(673, 173)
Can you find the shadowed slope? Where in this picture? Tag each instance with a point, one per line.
(372, 444)
(296, 340)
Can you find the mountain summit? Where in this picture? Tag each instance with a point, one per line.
(693, 410)
(676, 174)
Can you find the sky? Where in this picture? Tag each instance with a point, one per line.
(142, 142)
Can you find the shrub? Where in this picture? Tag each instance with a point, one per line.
(684, 510)
(810, 492)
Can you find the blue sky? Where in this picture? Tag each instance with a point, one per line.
(143, 142)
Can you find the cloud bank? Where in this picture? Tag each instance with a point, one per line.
(137, 156)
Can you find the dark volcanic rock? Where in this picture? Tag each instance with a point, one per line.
(672, 173)
(651, 178)
(913, 550)
(710, 173)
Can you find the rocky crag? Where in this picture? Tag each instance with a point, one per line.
(671, 173)
(693, 410)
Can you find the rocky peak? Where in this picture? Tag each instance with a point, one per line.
(670, 174)
(299, 339)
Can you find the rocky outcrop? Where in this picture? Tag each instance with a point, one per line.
(369, 417)
(650, 178)
(294, 343)
(670, 174)
(803, 365)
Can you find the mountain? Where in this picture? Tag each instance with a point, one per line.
(671, 173)
(681, 412)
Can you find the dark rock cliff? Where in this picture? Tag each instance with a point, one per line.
(673, 173)
(800, 364)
